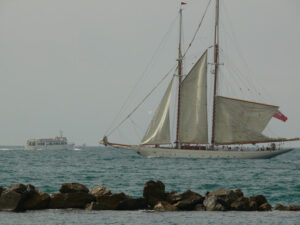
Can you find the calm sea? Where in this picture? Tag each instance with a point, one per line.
(124, 171)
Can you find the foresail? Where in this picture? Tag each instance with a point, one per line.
(193, 105)
(239, 121)
(158, 131)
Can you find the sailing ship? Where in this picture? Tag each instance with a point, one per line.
(236, 123)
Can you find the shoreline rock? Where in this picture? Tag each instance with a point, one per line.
(20, 197)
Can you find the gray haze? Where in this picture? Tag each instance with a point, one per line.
(70, 64)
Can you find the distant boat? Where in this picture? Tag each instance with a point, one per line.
(236, 123)
(57, 143)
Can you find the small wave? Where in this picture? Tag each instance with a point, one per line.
(5, 149)
(77, 149)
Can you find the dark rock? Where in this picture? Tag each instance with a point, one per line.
(239, 193)
(100, 191)
(259, 199)
(154, 192)
(265, 207)
(173, 197)
(287, 208)
(110, 202)
(163, 206)
(241, 204)
(70, 200)
(1, 190)
(36, 200)
(73, 188)
(19, 188)
(253, 206)
(199, 207)
(133, 204)
(228, 196)
(189, 200)
(11, 200)
(30, 189)
(215, 203)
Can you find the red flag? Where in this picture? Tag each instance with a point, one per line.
(280, 116)
(183, 3)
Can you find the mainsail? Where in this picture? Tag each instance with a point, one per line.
(239, 121)
(158, 131)
(193, 109)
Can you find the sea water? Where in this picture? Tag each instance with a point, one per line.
(125, 171)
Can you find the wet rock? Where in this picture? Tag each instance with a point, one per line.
(241, 204)
(265, 207)
(259, 199)
(189, 200)
(36, 200)
(19, 188)
(163, 206)
(73, 188)
(110, 202)
(253, 206)
(133, 204)
(173, 197)
(228, 196)
(215, 203)
(100, 191)
(70, 200)
(30, 189)
(199, 207)
(11, 200)
(239, 193)
(154, 191)
(287, 208)
(1, 190)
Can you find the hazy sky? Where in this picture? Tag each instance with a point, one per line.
(70, 64)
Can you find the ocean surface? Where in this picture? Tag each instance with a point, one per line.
(125, 171)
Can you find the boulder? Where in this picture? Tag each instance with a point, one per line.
(19, 188)
(11, 200)
(287, 208)
(239, 193)
(199, 207)
(133, 204)
(110, 202)
(70, 200)
(241, 204)
(1, 190)
(100, 191)
(173, 197)
(189, 200)
(154, 191)
(228, 196)
(36, 200)
(73, 188)
(265, 207)
(163, 206)
(13, 197)
(259, 199)
(215, 203)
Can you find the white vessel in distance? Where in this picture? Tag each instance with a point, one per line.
(57, 143)
(236, 123)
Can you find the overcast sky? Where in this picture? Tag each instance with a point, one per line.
(70, 64)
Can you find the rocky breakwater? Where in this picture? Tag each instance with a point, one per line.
(20, 197)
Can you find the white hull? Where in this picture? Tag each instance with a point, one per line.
(50, 147)
(204, 154)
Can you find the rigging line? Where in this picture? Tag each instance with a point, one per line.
(144, 99)
(144, 72)
(197, 30)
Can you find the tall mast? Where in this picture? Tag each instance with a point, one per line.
(179, 78)
(216, 61)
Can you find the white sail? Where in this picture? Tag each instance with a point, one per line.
(239, 121)
(193, 106)
(158, 131)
